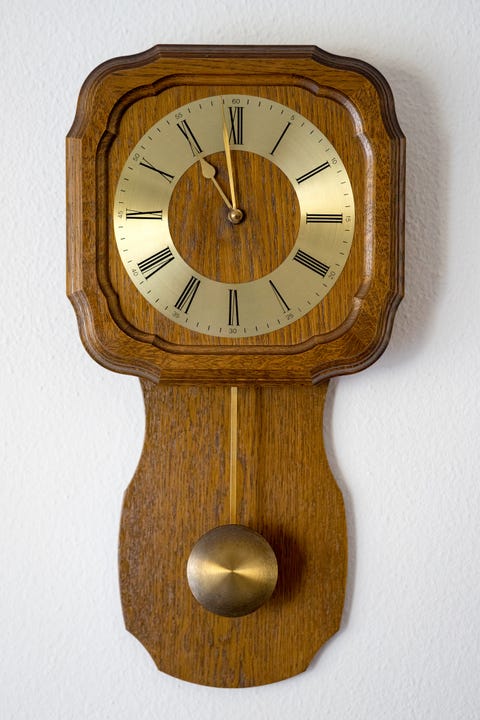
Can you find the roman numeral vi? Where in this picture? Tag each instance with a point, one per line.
(233, 307)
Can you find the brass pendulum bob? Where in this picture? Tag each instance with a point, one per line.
(232, 570)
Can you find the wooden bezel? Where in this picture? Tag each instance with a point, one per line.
(349, 100)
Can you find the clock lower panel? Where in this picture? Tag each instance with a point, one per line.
(285, 491)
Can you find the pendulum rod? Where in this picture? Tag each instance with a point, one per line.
(233, 455)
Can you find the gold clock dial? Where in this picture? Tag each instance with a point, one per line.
(191, 145)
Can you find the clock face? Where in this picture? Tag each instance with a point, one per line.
(194, 165)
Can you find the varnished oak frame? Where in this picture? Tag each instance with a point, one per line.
(286, 489)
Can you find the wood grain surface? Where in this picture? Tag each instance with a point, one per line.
(286, 492)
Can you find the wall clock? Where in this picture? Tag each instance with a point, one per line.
(235, 239)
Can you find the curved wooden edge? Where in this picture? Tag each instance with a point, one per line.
(94, 343)
(110, 344)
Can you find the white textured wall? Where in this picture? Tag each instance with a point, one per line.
(402, 436)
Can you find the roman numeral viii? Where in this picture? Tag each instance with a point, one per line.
(311, 263)
(156, 262)
(187, 295)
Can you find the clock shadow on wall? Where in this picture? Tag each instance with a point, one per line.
(426, 219)
(235, 239)
(426, 242)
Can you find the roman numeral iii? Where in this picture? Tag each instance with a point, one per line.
(324, 217)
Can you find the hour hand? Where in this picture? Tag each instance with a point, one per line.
(208, 171)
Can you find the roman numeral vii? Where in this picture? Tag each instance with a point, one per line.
(187, 295)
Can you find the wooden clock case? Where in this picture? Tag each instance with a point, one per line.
(286, 490)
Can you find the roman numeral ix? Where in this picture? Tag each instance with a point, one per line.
(144, 214)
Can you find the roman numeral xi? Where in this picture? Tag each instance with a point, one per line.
(187, 133)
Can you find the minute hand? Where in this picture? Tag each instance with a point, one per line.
(228, 155)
